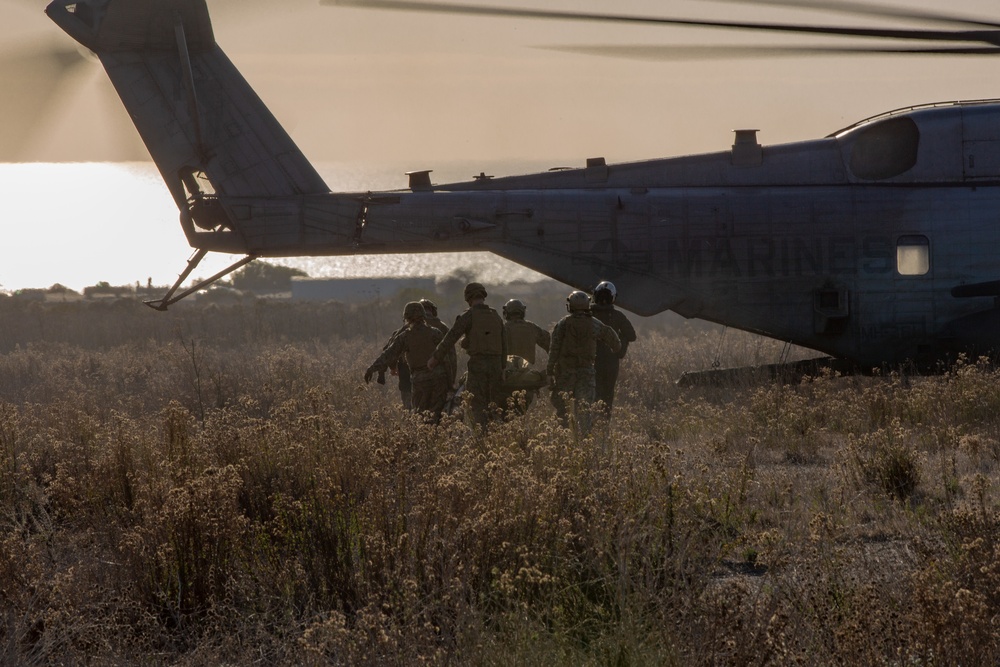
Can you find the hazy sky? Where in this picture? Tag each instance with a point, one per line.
(380, 93)
(360, 85)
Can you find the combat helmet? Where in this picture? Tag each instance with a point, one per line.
(577, 302)
(475, 291)
(429, 307)
(514, 308)
(413, 311)
(605, 292)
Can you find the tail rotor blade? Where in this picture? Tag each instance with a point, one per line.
(123, 142)
(32, 80)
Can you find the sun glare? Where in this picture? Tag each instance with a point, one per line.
(78, 224)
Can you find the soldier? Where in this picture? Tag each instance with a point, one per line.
(433, 320)
(481, 330)
(575, 339)
(401, 371)
(606, 365)
(414, 345)
(521, 335)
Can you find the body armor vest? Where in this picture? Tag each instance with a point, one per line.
(521, 339)
(579, 346)
(485, 334)
(420, 343)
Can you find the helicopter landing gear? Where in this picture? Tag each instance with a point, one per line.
(169, 298)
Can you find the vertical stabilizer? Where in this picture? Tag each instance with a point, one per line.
(206, 129)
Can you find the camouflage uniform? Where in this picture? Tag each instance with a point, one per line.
(607, 362)
(481, 330)
(451, 361)
(437, 324)
(415, 345)
(521, 337)
(571, 362)
(402, 373)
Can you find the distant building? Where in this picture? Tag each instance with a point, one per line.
(106, 291)
(356, 290)
(63, 297)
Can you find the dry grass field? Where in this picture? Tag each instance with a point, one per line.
(217, 485)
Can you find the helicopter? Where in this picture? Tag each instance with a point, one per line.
(873, 244)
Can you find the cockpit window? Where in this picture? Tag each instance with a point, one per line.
(913, 255)
(886, 149)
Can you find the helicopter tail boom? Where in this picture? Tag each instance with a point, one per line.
(206, 129)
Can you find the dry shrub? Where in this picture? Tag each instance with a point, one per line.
(885, 460)
(228, 491)
(956, 597)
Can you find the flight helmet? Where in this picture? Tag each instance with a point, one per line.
(514, 308)
(605, 292)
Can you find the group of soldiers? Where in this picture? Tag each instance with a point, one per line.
(584, 351)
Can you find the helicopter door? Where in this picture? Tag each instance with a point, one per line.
(980, 144)
(831, 309)
(910, 314)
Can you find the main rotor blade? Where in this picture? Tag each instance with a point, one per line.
(980, 36)
(868, 9)
(684, 52)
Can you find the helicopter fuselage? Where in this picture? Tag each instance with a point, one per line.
(787, 241)
(876, 244)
